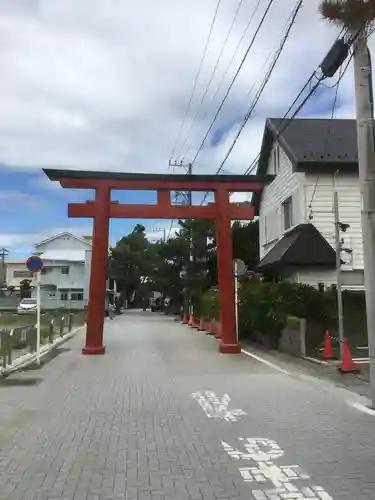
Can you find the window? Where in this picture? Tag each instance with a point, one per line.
(276, 159)
(64, 296)
(288, 213)
(77, 296)
(22, 274)
(65, 270)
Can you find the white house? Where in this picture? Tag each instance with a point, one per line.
(16, 271)
(296, 220)
(65, 267)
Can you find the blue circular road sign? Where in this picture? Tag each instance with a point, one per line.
(34, 264)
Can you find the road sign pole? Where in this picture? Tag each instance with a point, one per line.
(38, 317)
(35, 265)
(239, 269)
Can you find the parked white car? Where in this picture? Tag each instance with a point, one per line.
(26, 306)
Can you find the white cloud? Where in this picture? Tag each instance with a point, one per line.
(19, 242)
(94, 84)
(10, 198)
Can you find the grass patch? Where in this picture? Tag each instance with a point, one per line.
(11, 320)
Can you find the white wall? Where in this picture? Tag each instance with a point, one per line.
(75, 278)
(87, 272)
(351, 280)
(349, 212)
(286, 183)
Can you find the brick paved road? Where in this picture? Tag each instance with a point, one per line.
(126, 426)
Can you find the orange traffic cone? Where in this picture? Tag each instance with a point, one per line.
(328, 352)
(192, 322)
(201, 326)
(347, 364)
(211, 328)
(185, 320)
(219, 332)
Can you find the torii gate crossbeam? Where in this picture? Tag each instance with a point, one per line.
(102, 208)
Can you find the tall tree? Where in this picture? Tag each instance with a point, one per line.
(246, 243)
(129, 262)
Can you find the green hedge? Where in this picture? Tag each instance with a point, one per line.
(267, 307)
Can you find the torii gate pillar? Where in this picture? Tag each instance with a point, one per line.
(229, 342)
(98, 274)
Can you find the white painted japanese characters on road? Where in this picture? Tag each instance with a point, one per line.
(216, 407)
(263, 452)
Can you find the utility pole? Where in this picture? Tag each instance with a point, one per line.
(188, 307)
(3, 254)
(366, 166)
(340, 315)
(159, 230)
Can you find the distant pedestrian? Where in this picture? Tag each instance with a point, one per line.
(111, 311)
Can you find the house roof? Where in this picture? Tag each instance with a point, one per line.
(52, 238)
(318, 140)
(294, 249)
(311, 144)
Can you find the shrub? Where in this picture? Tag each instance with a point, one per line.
(267, 307)
(209, 305)
(262, 309)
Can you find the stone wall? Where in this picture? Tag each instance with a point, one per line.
(293, 339)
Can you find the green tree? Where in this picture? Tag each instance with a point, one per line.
(130, 261)
(246, 243)
(200, 269)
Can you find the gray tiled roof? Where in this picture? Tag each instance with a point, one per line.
(318, 140)
(294, 249)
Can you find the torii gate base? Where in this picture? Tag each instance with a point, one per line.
(102, 209)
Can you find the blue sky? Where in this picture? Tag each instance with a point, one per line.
(33, 207)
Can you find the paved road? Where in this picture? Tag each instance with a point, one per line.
(126, 426)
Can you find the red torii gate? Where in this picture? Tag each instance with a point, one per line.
(103, 208)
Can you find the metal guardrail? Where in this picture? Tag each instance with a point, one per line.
(25, 336)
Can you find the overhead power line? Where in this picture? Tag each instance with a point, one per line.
(196, 77)
(285, 122)
(213, 72)
(266, 79)
(227, 69)
(287, 28)
(234, 78)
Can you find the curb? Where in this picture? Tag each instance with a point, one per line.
(29, 358)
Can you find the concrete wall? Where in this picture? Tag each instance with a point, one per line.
(11, 303)
(293, 339)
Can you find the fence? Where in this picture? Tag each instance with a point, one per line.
(25, 337)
